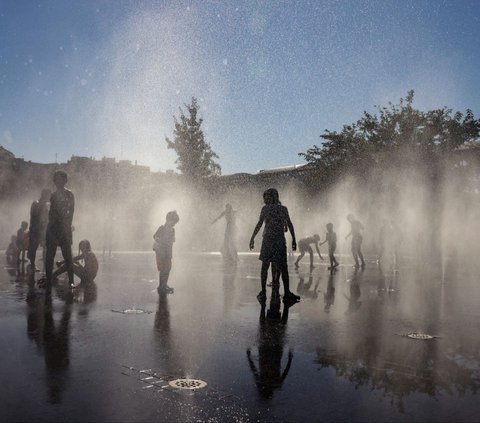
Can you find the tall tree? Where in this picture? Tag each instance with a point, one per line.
(195, 156)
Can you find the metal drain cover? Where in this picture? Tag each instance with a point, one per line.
(132, 311)
(187, 384)
(417, 335)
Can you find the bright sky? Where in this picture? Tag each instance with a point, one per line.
(95, 78)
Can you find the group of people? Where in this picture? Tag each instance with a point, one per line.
(273, 251)
(51, 227)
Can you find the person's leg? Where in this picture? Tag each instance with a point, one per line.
(50, 257)
(264, 275)
(302, 253)
(164, 268)
(359, 252)
(62, 269)
(310, 251)
(32, 251)
(276, 272)
(66, 248)
(288, 296)
(355, 252)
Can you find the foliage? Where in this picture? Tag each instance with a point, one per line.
(398, 135)
(195, 156)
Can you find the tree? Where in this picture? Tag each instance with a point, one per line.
(195, 156)
(398, 136)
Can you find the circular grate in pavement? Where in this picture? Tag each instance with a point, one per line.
(132, 311)
(417, 335)
(187, 384)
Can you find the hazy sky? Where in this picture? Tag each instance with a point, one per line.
(95, 78)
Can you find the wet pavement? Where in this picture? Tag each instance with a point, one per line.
(113, 351)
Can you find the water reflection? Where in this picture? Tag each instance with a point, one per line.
(353, 300)
(164, 342)
(229, 275)
(51, 338)
(304, 289)
(267, 372)
(329, 295)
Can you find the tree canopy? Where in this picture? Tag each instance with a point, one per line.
(397, 135)
(196, 159)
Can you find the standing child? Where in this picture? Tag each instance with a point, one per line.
(38, 226)
(356, 233)
(12, 251)
(164, 239)
(59, 228)
(22, 242)
(331, 238)
(229, 249)
(304, 246)
(274, 247)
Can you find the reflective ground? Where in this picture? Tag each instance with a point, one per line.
(340, 354)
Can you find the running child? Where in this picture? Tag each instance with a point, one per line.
(164, 239)
(86, 271)
(331, 238)
(274, 247)
(304, 247)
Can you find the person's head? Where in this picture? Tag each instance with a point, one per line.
(13, 239)
(316, 237)
(45, 195)
(228, 207)
(24, 225)
(270, 196)
(60, 178)
(329, 227)
(172, 218)
(84, 246)
(350, 217)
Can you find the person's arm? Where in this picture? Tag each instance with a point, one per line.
(348, 236)
(72, 209)
(219, 217)
(292, 232)
(318, 251)
(255, 231)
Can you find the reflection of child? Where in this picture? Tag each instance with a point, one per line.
(12, 251)
(22, 242)
(86, 272)
(164, 239)
(331, 238)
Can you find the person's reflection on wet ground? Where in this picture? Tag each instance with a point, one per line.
(51, 338)
(329, 295)
(269, 375)
(165, 346)
(355, 293)
(304, 288)
(381, 285)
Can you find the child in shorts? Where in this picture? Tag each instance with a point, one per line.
(164, 239)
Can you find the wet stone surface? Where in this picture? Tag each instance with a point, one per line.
(336, 355)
